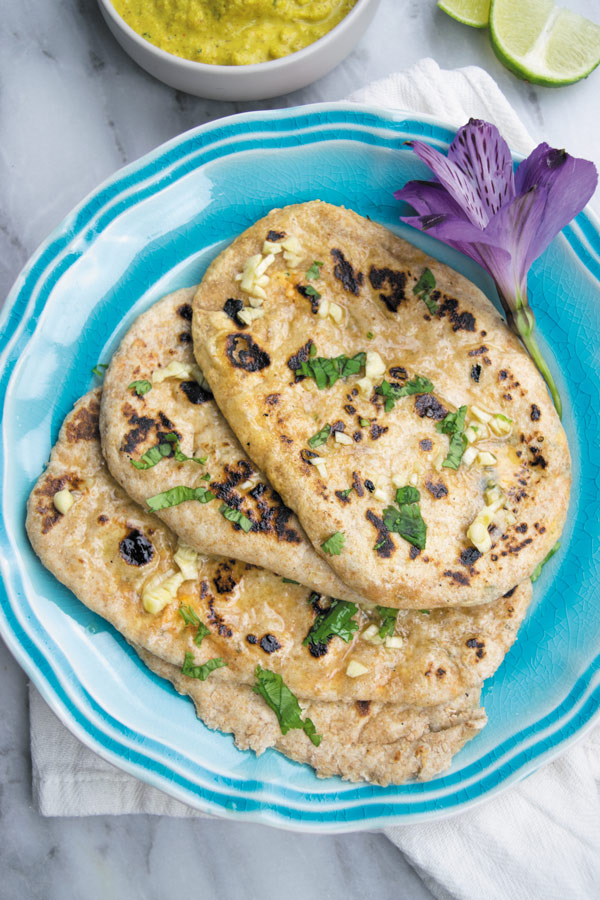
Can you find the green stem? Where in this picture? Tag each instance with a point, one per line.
(536, 355)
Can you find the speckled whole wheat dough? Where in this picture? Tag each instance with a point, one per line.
(379, 743)
(131, 424)
(371, 273)
(443, 654)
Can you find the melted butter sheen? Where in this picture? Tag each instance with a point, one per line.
(232, 32)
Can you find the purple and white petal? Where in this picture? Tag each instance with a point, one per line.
(481, 152)
(458, 185)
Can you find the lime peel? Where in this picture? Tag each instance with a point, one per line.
(548, 46)
(475, 13)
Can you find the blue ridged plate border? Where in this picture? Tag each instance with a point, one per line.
(154, 227)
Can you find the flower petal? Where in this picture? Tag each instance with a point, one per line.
(481, 152)
(430, 197)
(566, 183)
(463, 236)
(458, 185)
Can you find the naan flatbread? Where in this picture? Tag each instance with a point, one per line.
(132, 424)
(107, 550)
(380, 743)
(449, 334)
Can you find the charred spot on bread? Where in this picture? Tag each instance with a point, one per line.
(185, 311)
(396, 282)
(343, 270)
(231, 308)
(195, 393)
(136, 549)
(428, 406)
(83, 424)
(244, 353)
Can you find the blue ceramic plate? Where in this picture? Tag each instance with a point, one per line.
(155, 227)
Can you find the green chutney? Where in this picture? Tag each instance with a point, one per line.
(232, 32)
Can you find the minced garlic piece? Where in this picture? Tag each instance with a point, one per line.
(293, 252)
(180, 371)
(374, 365)
(249, 314)
(371, 635)
(157, 595)
(394, 642)
(355, 669)
(342, 438)
(187, 560)
(319, 464)
(247, 484)
(469, 456)
(494, 512)
(271, 247)
(63, 501)
(480, 414)
(398, 480)
(479, 536)
(414, 479)
(323, 310)
(501, 425)
(336, 312)
(485, 458)
(365, 387)
(378, 494)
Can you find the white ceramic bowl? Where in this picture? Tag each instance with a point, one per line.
(253, 82)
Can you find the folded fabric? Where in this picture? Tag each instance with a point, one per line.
(539, 839)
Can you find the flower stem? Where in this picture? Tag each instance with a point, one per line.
(536, 355)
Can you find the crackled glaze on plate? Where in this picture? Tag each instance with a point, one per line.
(154, 227)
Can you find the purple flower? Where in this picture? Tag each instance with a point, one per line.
(502, 220)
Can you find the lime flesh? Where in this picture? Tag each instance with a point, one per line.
(470, 12)
(542, 43)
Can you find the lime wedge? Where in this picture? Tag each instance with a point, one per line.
(542, 43)
(469, 12)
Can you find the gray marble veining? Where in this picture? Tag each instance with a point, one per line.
(73, 109)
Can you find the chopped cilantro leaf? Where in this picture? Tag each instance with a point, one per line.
(423, 289)
(345, 494)
(180, 494)
(190, 618)
(417, 385)
(336, 621)
(152, 456)
(364, 422)
(140, 387)
(538, 569)
(326, 371)
(96, 370)
(313, 350)
(426, 612)
(169, 446)
(407, 520)
(272, 688)
(379, 544)
(236, 516)
(333, 545)
(370, 335)
(388, 621)
(454, 425)
(310, 291)
(200, 672)
(314, 271)
(408, 494)
(320, 437)
(289, 581)
(188, 615)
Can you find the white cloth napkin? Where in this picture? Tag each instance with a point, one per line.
(541, 839)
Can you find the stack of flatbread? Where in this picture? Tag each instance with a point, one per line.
(311, 494)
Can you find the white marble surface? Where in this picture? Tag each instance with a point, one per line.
(73, 109)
